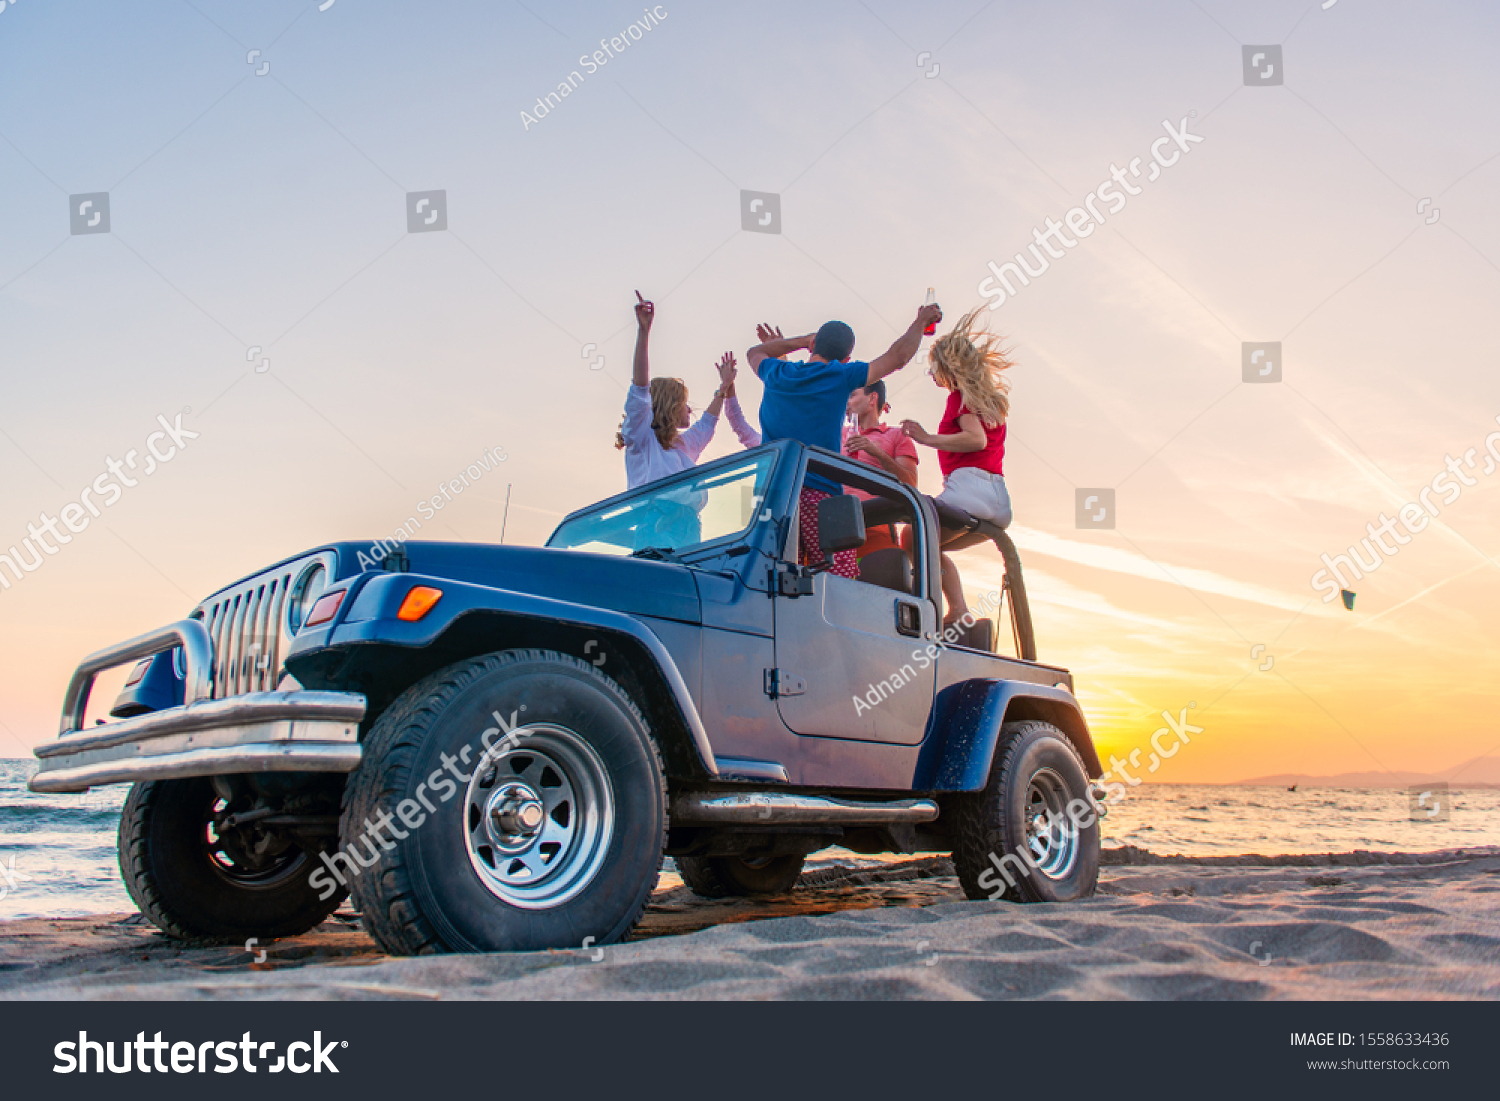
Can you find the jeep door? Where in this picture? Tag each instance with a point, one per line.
(851, 658)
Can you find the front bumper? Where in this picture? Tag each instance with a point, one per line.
(248, 732)
(258, 732)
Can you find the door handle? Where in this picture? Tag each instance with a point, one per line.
(908, 619)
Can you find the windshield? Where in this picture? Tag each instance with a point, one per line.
(674, 514)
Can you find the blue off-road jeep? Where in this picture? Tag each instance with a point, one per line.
(493, 747)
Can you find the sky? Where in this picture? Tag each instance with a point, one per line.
(260, 279)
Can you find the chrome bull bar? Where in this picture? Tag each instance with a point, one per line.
(257, 732)
(198, 658)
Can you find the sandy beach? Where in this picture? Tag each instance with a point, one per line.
(1340, 926)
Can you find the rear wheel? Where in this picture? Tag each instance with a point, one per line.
(196, 876)
(737, 876)
(510, 802)
(1032, 834)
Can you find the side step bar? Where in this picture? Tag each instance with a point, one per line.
(774, 808)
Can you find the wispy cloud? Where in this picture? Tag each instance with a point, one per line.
(1119, 560)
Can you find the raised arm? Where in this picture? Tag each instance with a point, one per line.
(645, 313)
(748, 436)
(725, 367)
(899, 354)
(775, 346)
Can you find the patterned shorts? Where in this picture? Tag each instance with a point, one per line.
(845, 564)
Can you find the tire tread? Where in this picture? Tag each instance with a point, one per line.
(979, 819)
(384, 894)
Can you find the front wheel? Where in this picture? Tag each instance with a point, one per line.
(1032, 834)
(198, 877)
(511, 802)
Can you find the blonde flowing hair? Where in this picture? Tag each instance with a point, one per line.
(668, 399)
(971, 360)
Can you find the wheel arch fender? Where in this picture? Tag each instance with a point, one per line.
(371, 648)
(967, 719)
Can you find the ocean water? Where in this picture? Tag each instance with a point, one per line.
(57, 852)
(1201, 820)
(63, 846)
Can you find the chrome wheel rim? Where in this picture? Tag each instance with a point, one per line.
(538, 817)
(1051, 836)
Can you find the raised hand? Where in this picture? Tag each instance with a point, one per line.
(928, 315)
(645, 312)
(727, 372)
(764, 332)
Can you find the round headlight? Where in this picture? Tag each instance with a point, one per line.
(305, 594)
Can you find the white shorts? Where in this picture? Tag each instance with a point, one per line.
(979, 493)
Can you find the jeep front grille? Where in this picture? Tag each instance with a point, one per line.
(247, 625)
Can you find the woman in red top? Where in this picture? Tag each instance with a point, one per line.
(970, 439)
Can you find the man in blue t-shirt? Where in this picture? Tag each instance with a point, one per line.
(806, 401)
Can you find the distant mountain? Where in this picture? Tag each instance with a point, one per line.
(1479, 772)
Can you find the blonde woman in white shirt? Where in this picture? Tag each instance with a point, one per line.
(657, 433)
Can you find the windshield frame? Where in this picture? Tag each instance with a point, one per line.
(707, 548)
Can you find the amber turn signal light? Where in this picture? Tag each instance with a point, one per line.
(418, 602)
(325, 609)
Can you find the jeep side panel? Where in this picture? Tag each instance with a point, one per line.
(368, 649)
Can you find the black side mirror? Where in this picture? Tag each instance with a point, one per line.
(841, 524)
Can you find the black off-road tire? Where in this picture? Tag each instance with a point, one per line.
(990, 826)
(736, 877)
(169, 869)
(426, 893)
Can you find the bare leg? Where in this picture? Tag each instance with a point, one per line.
(953, 592)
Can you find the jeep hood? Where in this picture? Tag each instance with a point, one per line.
(631, 585)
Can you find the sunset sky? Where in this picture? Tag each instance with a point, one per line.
(1348, 213)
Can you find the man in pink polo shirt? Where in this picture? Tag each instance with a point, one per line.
(880, 445)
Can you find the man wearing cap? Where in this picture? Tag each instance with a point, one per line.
(807, 400)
